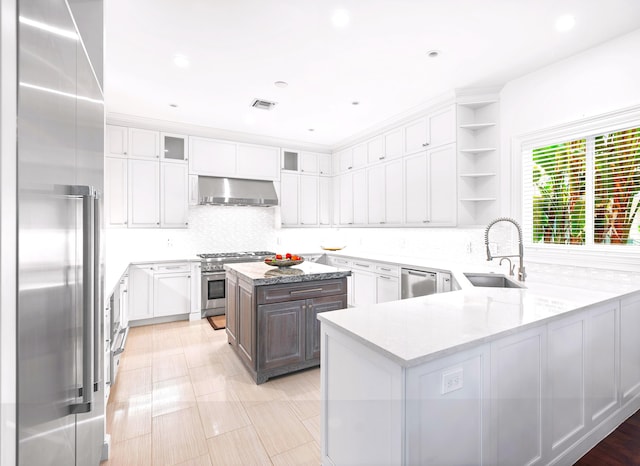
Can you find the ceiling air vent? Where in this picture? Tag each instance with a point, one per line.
(263, 104)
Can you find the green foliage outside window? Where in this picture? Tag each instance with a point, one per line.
(561, 206)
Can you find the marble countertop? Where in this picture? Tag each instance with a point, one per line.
(418, 330)
(262, 274)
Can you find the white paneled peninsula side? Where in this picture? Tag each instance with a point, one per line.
(480, 375)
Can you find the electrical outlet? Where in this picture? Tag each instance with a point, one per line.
(169, 243)
(452, 381)
(469, 247)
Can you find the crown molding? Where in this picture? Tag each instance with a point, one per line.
(121, 119)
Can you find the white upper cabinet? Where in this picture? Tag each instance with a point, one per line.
(258, 162)
(441, 127)
(324, 200)
(210, 157)
(144, 144)
(308, 200)
(433, 130)
(144, 193)
(173, 147)
(174, 194)
(375, 149)
(360, 195)
(385, 193)
(308, 163)
(376, 195)
(430, 187)
(359, 156)
(442, 185)
(115, 189)
(415, 135)
(324, 164)
(345, 160)
(345, 196)
(415, 188)
(289, 199)
(116, 141)
(393, 144)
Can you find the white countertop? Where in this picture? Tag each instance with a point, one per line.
(414, 331)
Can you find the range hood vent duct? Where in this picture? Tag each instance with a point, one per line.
(235, 191)
(263, 104)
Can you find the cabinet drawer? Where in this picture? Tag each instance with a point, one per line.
(339, 262)
(288, 292)
(172, 268)
(388, 269)
(363, 265)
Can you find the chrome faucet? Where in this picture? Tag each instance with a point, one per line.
(521, 273)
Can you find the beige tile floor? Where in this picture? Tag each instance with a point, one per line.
(183, 397)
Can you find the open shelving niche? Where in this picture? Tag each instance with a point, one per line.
(478, 160)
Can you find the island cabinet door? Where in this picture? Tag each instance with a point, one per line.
(281, 330)
(246, 327)
(232, 308)
(313, 308)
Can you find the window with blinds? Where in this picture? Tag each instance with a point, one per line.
(584, 191)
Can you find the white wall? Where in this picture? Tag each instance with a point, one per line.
(597, 81)
(226, 229)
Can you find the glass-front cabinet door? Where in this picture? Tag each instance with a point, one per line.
(174, 147)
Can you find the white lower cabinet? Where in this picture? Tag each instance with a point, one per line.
(387, 288)
(364, 288)
(171, 294)
(629, 348)
(140, 292)
(160, 290)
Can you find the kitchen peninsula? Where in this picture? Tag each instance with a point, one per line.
(537, 375)
(272, 314)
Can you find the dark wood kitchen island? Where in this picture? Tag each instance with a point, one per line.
(271, 314)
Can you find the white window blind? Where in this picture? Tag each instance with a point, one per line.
(583, 191)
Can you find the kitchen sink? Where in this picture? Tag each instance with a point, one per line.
(492, 280)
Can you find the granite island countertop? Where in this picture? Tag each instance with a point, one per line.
(261, 274)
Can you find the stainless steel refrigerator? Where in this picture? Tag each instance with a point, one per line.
(60, 121)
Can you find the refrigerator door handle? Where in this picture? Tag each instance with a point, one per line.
(97, 296)
(88, 195)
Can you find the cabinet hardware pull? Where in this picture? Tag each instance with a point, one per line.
(425, 144)
(349, 168)
(381, 158)
(426, 221)
(125, 152)
(363, 265)
(305, 291)
(384, 268)
(382, 223)
(383, 277)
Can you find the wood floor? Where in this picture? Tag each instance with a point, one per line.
(183, 397)
(620, 448)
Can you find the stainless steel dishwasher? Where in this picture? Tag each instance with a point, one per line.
(414, 283)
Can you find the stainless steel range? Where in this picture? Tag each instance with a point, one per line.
(213, 277)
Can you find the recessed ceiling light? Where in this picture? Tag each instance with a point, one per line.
(340, 18)
(565, 23)
(173, 105)
(180, 61)
(355, 102)
(281, 84)
(433, 53)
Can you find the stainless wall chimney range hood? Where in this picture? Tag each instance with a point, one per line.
(235, 191)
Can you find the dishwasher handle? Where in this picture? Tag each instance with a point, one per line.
(421, 274)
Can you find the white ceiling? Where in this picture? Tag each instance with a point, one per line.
(237, 49)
